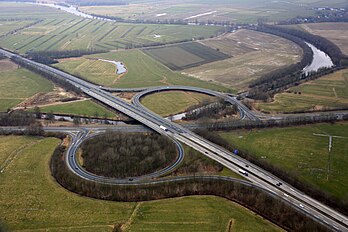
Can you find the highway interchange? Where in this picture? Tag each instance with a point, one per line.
(259, 177)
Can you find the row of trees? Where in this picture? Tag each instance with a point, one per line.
(290, 177)
(295, 68)
(49, 57)
(215, 110)
(278, 80)
(254, 198)
(47, 74)
(21, 28)
(124, 155)
(16, 118)
(320, 42)
(285, 122)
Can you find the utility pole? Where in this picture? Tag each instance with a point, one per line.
(328, 169)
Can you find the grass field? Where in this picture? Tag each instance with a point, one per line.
(186, 55)
(101, 72)
(7, 26)
(237, 11)
(253, 55)
(328, 92)
(172, 102)
(17, 84)
(87, 108)
(57, 32)
(143, 71)
(31, 200)
(298, 151)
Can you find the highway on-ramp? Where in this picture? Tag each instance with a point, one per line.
(258, 176)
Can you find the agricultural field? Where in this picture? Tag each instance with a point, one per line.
(253, 55)
(51, 207)
(81, 108)
(328, 92)
(173, 102)
(142, 71)
(335, 32)
(185, 55)
(8, 26)
(297, 150)
(18, 84)
(236, 11)
(57, 32)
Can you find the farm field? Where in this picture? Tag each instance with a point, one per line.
(7, 26)
(18, 84)
(143, 71)
(328, 92)
(253, 55)
(57, 32)
(53, 208)
(185, 55)
(235, 11)
(296, 150)
(173, 102)
(81, 108)
(336, 32)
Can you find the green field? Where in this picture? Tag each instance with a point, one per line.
(82, 108)
(143, 71)
(17, 84)
(57, 32)
(296, 150)
(100, 72)
(186, 55)
(237, 11)
(173, 102)
(31, 200)
(328, 92)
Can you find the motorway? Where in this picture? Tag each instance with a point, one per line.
(245, 113)
(259, 177)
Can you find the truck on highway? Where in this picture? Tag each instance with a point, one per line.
(164, 128)
(245, 173)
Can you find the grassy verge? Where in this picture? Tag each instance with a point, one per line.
(82, 108)
(32, 200)
(298, 151)
(173, 102)
(328, 92)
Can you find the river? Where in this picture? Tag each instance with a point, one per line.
(320, 60)
(73, 10)
(120, 67)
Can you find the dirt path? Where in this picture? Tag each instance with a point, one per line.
(126, 226)
(58, 103)
(15, 153)
(230, 225)
(334, 90)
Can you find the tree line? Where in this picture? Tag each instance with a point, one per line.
(47, 74)
(278, 80)
(125, 155)
(49, 57)
(285, 122)
(256, 199)
(288, 176)
(321, 43)
(214, 110)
